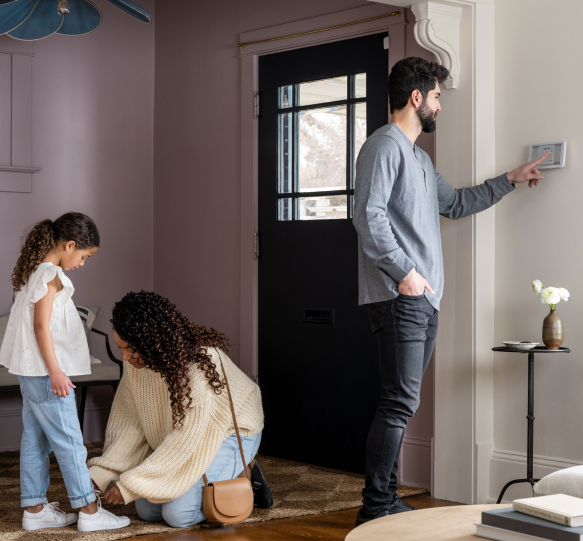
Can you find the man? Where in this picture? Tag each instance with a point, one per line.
(398, 199)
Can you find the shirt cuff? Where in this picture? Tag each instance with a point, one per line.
(504, 180)
(397, 265)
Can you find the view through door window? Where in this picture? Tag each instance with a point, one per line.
(322, 126)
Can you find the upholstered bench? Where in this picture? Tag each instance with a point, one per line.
(101, 374)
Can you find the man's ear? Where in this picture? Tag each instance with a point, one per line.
(416, 98)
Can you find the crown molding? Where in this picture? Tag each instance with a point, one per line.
(437, 29)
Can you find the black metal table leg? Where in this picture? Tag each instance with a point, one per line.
(530, 417)
(530, 436)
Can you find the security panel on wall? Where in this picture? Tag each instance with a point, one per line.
(556, 160)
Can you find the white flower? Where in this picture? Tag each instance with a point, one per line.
(537, 286)
(551, 295)
(564, 294)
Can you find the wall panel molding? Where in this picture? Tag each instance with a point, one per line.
(16, 116)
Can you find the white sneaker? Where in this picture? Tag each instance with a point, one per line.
(101, 520)
(50, 517)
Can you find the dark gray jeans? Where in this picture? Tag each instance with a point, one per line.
(406, 328)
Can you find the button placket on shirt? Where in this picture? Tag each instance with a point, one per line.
(422, 168)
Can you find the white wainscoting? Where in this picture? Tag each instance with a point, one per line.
(508, 465)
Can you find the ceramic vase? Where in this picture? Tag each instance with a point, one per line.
(553, 333)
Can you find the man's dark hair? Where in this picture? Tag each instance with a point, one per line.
(413, 73)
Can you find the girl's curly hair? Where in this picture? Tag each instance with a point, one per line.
(168, 343)
(45, 235)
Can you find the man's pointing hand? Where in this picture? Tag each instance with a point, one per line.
(528, 173)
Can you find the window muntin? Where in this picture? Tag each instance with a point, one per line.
(321, 128)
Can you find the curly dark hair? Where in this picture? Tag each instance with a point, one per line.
(45, 235)
(168, 343)
(413, 73)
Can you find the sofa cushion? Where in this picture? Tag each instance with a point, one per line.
(568, 481)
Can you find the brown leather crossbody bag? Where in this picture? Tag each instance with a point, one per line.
(231, 501)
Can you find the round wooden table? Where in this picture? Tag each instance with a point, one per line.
(438, 524)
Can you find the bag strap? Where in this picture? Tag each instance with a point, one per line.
(234, 422)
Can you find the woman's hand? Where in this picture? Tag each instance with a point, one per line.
(113, 495)
(60, 383)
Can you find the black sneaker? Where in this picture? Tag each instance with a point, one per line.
(262, 496)
(363, 517)
(400, 506)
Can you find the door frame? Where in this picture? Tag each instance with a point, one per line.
(464, 423)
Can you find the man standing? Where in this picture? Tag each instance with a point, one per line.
(398, 199)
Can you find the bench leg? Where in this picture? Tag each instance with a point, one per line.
(82, 408)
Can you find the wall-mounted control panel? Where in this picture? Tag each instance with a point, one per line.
(558, 152)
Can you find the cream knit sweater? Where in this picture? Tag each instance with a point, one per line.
(146, 456)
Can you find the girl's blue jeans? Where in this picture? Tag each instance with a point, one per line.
(187, 510)
(51, 424)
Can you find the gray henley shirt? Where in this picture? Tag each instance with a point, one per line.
(397, 202)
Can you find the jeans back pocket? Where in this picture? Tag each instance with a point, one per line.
(36, 388)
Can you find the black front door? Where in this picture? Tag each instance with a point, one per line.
(318, 367)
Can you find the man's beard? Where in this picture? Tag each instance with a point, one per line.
(427, 117)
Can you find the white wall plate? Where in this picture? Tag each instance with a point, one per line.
(558, 152)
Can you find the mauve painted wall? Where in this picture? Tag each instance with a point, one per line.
(93, 102)
(197, 149)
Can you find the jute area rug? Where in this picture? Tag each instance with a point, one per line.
(298, 490)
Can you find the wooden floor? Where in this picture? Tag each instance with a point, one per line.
(329, 526)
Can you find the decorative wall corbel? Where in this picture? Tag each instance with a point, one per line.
(437, 29)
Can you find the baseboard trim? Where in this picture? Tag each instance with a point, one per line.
(506, 465)
(418, 442)
(539, 460)
(415, 462)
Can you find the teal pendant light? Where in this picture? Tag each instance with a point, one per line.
(31, 20)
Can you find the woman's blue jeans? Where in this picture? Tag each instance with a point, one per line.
(51, 424)
(187, 510)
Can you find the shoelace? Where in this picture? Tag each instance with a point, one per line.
(54, 507)
(99, 506)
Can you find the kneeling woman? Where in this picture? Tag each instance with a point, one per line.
(171, 420)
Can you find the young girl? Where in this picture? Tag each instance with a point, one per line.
(44, 345)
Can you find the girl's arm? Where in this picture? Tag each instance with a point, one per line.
(43, 308)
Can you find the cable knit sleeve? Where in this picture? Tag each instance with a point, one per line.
(178, 462)
(125, 444)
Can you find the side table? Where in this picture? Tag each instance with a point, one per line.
(530, 416)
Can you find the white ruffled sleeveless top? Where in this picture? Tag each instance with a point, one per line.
(20, 352)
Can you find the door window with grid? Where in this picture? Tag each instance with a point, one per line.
(321, 127)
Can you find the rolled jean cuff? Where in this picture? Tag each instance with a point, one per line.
(32, 500)
(83, 500)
